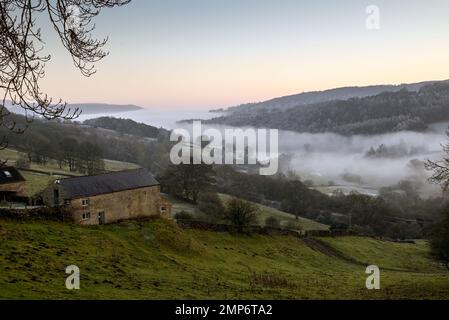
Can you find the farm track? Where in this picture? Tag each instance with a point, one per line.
(324, 248)
(328, 250)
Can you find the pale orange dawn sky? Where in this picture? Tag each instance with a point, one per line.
(208, 54)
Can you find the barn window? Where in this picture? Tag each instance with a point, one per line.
(163, 208)
(85, 202)
(86, 216)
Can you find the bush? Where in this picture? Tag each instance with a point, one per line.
(338, 226)
(183, 215)
(358, 230)
(241, 213)
(272, 222)
(210, 204)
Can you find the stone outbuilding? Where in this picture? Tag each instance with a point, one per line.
(109, 197)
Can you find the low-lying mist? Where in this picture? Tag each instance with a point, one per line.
(363, 163)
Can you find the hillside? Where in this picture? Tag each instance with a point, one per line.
(125, 126)
(49, 139)
(382, 113)
(95, 108)
(157, 260)
(263, 213)
(87, 108)
(291, 101)
(284, 218)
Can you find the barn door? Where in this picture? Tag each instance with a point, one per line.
(56, 197)
(101, 217)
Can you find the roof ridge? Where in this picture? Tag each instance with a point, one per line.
(106, 173)
(107, 183)
(10, 174)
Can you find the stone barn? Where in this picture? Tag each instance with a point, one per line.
(12, 185)
(109, 197)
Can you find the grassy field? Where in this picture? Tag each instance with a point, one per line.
(389, 255)
(37, 182)
(158, 260)
(12, 156)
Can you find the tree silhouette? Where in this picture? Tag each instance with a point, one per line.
(440, 169)
(22, 61)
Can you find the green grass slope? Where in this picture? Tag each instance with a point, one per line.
(284, 217)
(385, 254)
(158, 260)
(263, 213)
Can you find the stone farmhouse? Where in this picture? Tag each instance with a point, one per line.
(107, 198)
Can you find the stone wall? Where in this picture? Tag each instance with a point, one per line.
(203, 225)
(41, 213)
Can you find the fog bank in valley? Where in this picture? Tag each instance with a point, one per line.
(340, 161)
(363, 163)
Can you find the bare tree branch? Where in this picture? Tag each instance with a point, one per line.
(440, 169)
(22, 62)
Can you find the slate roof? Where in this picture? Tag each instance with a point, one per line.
(88, 186)
(10, 175)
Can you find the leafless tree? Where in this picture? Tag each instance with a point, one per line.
(440, 169)
(22, 61)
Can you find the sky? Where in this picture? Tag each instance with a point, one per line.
(204, 54)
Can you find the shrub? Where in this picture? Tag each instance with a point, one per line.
(440, 238)
(183, 215)
(272, 222)
(336, 226)
(240, 213)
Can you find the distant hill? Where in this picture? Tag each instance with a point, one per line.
(305, 98)
(386, 112)
(126, 126)
(88, 108)
(94, 108)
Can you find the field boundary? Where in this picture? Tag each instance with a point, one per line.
(48, 173)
